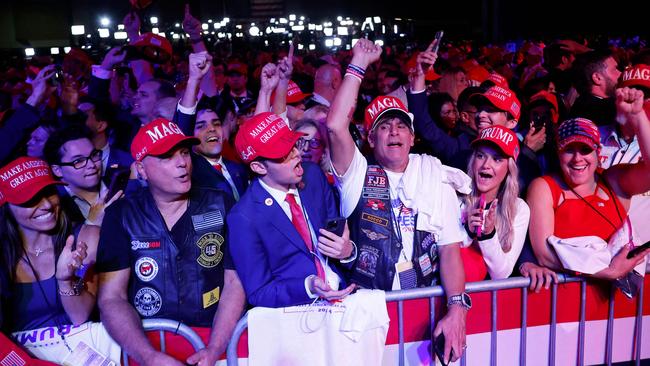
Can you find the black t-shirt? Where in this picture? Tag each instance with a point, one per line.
(114, 250)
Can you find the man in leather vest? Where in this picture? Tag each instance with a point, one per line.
(404, 217)
(162, 252)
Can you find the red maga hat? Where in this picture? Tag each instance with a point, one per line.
(384, 105)
(23, 178)
(265, 135)
(158, 138)
(502, 98)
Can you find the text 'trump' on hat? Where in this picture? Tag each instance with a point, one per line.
(158, 138)
(504, 138)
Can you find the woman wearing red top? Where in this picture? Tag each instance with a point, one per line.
(583, 200)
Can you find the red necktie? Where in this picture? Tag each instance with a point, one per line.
(299, 222)
(218, 167)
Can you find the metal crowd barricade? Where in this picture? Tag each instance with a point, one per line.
(493, 286)
(172, 326)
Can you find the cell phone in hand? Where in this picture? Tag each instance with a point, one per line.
(637, 250)
(119, 180)
(336, 225)
(438, 37)
(58, 78)
(439, 348)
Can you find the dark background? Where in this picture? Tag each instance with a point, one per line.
(44, 23)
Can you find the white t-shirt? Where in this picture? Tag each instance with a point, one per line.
(350, 185)
(499, 263)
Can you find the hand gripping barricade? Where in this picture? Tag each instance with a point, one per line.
(172, 326)
(576, 322)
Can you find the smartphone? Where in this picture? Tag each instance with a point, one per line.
(56, 79)
(119, 180)
(439, 348)
(132, 53)
(336, 225)
(438, 37)
(638, 250)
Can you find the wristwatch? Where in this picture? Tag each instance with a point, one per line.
(460, 299)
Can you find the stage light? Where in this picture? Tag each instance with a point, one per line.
(77, 30)
(103, 33)
(29, 52)
(105, 21)
(54, 50)
(153, 20)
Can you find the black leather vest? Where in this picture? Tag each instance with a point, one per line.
(372, 228)
(180, 281)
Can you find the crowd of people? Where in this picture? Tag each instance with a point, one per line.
(192, 185)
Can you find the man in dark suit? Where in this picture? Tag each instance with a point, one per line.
(274, 226)
(204, 122)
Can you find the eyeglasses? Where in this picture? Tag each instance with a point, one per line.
(80, 163)
(313, 143)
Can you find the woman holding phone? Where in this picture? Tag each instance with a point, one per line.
(496, 219)
(48, 263)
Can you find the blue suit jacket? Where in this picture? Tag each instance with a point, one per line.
(203, 174)
(271, 258)
(117, 159)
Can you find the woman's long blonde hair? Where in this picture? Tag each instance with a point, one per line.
(507, 196)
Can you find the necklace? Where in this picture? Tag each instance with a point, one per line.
(38, 251)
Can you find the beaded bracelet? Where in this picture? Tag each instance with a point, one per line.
(354, 76)
(358, 69)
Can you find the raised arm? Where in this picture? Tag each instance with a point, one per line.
(630, 179)
(269, 80)
(285, 68)
(342, 145)
(192, 26)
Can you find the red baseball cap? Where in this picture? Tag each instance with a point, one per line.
(498, 80)
(294, 94)
(478, 73)
(265, 135)
(383, 105)
(23, 178)
(502, 98)
(429, 74)
(154, 48)
(158, 138)
(578, 130)
(637, 75)
(504, 138)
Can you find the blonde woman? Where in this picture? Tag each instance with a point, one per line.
(496, 219)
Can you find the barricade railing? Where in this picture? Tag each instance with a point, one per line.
(172, 326)
(494, 286)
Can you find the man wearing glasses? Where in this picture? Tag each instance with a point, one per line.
(281, 252)
(76, 162)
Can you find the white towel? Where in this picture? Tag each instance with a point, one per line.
(365, 310)
(421, 185)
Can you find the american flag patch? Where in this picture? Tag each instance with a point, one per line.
(408, 279)
(207, 221)
(12, 359)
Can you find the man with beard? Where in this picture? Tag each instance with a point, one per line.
(596, 76)
(275, 248)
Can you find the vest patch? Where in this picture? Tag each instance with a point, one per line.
(374, 235)
(367, 262)
(374, 219)
(211, 253)
(146, 268)
(207, 221)
(147, 301)
(211, 297)
(376, 205)
(149, 244)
